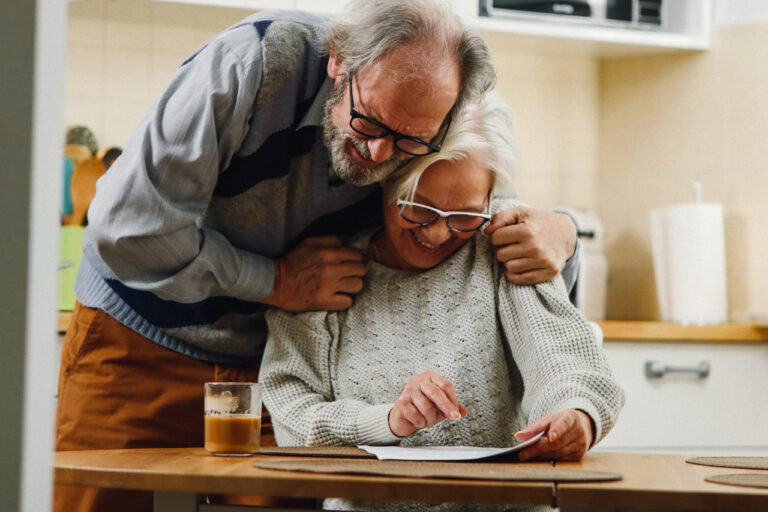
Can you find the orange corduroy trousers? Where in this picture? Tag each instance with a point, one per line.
(118, 389)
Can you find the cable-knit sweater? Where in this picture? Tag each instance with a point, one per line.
(513, 353)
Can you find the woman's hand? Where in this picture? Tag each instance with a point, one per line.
(425, 401)
(569, 436)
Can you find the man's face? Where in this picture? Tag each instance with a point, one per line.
(415, 107)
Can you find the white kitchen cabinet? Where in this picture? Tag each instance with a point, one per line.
(687, 27)
(723, 412)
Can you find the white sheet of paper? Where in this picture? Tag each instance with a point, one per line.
(433, 453)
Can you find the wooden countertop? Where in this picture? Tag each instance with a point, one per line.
(650, 481)
(636, 330)
(663, 331)
(64, 318)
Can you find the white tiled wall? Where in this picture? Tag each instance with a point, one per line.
(555, 100)
(121, 54)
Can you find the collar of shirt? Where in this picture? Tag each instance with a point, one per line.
(314, 117)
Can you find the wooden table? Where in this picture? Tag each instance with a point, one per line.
(657, 482)
(179, 475)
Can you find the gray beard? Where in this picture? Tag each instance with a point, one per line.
(336, 141)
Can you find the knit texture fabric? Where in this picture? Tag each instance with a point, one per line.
(513, 353)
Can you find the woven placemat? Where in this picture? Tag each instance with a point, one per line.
(463, 470)
(741, 479)
(731, 462)
(351, 452)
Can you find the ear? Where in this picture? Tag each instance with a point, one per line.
(334, 67)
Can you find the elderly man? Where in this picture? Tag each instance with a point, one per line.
(268, 141)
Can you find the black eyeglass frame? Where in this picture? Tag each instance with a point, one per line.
(354, 114)
(442, 214)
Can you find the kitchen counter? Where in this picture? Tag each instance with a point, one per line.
(64, 318)
(618, 330)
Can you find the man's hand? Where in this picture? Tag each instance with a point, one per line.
(319, 274)
(532, 244)
(425, 401)
(569, 436)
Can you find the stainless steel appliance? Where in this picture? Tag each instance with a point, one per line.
(625, 13)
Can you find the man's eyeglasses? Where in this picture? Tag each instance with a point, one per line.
(370, 127)
(423, 215)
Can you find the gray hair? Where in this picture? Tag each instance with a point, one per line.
(483, 131)
(371, 29)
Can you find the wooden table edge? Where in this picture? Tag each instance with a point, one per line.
(570, 495)
(308, 485)
(634, 491)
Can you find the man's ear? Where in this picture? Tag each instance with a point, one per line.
(334, 67)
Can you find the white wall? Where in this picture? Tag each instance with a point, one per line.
(666, 120)
(121, 55)
(32, 48)
(737, 12)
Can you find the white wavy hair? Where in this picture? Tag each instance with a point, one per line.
(483, 131)
(371, 29)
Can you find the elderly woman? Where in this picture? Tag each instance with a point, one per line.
(438, 333)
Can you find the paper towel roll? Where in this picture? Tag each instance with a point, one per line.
(659, 251)
(688, 244)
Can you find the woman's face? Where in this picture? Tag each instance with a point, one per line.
(448, 186)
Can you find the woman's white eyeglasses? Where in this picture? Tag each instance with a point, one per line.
(423, 215)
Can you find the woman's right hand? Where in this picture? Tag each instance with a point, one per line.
(425, 401)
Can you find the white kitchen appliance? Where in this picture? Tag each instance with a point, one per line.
(590, 289)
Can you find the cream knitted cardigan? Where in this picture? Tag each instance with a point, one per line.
(513, 353)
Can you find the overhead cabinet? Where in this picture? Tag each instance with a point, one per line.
(602, 28)
(607, 27)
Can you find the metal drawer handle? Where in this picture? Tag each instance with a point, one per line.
(656, 369)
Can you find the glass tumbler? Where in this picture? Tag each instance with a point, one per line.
(232, 418)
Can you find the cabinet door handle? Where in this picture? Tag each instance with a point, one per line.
(657, 369)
